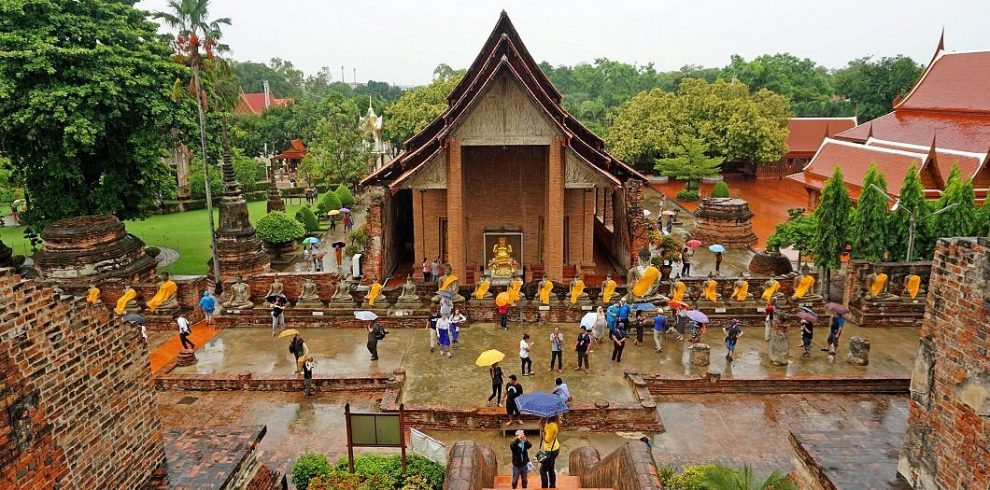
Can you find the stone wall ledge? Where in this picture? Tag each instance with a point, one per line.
(250, 382)
(714, 383)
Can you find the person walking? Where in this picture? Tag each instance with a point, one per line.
(209, 305)
(561, 391)
(807, 333)
(431, 325)
(495, 372)
(598, 330)
(426, 270)
(519, 448)
(184, 332)
(640, 324)
(307, 369)
(456, 320)
(338, 254)
(435, 271)
(681, 323)
(299, 350)
(834, 332)
(612, 317)
(732, 334)
(548, 472)
(618, 343)
(512, 391)
(308, 255)
(333, 223)
(686, 254)
(443, 335)
(583, 342)
(659, 330)
(524, 361)
(503, 316)
(375, 333)
(557, 349)
(718, 262)
(278, 316)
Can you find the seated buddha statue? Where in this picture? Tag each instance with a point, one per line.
(127, 303)
(740, 289)
(449, 282)
(771, 290)
(912, 287)
(710, 289)
(576, 294)
(93, 295)
(608, 288)
(502, 262)
(164, 298)
(374, 295)
(276, 289)
(409, 297)
(309, 298)
(342, 295)
(240, 296)
(875, 287)
(643, 281)
(482, 289)
(544, 290)
(803, 285)
(515, 289)
(677, 289)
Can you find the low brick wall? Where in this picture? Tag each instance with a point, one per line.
(714, 383)
(631, 467)
(250, 382)
(470, 466)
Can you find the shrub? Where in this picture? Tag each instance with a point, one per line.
(385, 472)
(308, 219)
(328, 202)
(277, 227)
(417, 482)
(686, 195)
(308, 467)
(721, 189)
(692, 478)
(152, 252)
(359, 237)
(17, 260)
(346, 198)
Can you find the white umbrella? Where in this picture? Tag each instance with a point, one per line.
(646, 212)
(365, 315)
(589, 319)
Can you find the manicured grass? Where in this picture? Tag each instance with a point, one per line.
(187, 233)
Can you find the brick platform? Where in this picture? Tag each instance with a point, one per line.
(897, 313)
(249, 382)
(848, 460)
(225, 458)
(714, 383)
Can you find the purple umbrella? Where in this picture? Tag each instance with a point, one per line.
(697, 316)
(804, 315)
(345, 210)
(809, 311)
(836, 308)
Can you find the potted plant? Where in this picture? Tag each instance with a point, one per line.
(279, 232)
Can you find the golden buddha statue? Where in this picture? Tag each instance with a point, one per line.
(482, 288)
(502, 263)
(875, 287)
(912, 287)
(710, 290)
(515, 289)
(577, 294)
(643, 281)
(93, 295)
(608, 288)
(740, 289)
(127, 303)
(373, 293)
(803, 284)
(677, 290)
(545, 288)
(164, 298)
(451, 283)
(771, 290)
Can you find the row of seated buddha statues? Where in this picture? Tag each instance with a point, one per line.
(876, 288)
(165, 299)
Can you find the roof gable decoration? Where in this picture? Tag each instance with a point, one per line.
(504, 114)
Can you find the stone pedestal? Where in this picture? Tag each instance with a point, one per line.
(859, 351)
(779, 352)
(725, 221)
(701, 355)
(186, 357)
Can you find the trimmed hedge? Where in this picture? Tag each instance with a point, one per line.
(721, 189)
(308, 219)
(277, 227)
(687, 195)
(328, 202)
(346, 198)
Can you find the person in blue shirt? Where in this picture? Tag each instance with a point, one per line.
(659, 330)
(208, 304)
(834, 332)
(732, 334)
(612, 317)
(618, 342)
(623, 313)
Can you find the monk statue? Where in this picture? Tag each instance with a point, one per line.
(127, 303)
(309, 298)
(643, 281)
(771, 290)
(164, 298)
(912, 287)
(740, 289)
(276, 289)
(515, 289)
(374, 295)
(804, 283)
(240, 296)
(677, 290)
(544, 290)
(481, 289)
(608, 288)
(93, 295)
(502, 263)
(449, 282)
(576, 294)
(342, 296)
(710, 289)
(409, 298)
(875, 287)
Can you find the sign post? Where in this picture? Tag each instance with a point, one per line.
(375, 430)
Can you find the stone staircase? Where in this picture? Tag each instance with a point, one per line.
(563, 482)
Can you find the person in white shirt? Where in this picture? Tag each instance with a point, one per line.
(524, 347)
(562, 391)
(443, 335)
(456, 320)
(184, 332)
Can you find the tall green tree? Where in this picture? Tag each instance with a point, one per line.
(872, 86)
(869, 234)
(337, 154)
(959, 215)
(689, 162)
(983, 219)
(417, 108)
(832, 234)
(721, 477)
(283, 78)
(910, 198)
(84, 106)
(803, 81)
(798, 232)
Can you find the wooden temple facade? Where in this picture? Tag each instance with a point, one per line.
(506, 182)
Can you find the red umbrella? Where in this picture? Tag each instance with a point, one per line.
(693, 243)
(678, 305)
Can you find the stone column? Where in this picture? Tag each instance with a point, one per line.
(701, 355)
(859, 351)
(455, 208)
(554, 262)
(419, 243)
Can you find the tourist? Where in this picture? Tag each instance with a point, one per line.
(612, 317)
(686, 254)
(834, 332)
(583, 342)
(807, 333)
(512, 391)
(375, 333)
(184, 332)
(618, 342)
(435, 271)
(598, 330)
(456, 320)
(443, 335)
(333, 223)
(503, 316)
(307, 368)
(623, 313)
(659, 330)
(562, 391)
(309, 196)
(316, 195)
(495, 372)
(718, 262)
(431, 325)
(640, 319)
(446, 305)
(548, 474)
(556, 349)
(697, 330)
(524, 347)
(278, 310)
(670, 221)
(208, 304)
(520, 457)
(299, 350)
(347, 222)
(732, 334)
(768, 321)
(318, 259)
(681, 323)
(426, 270)
(308, 255)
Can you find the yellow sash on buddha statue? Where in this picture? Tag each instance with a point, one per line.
(545, 292)
(122, 301)
(608, 290)
(645, 282)
(578, 289)
(770, 291)
(877, 287)
(514, 289)
(450, 279)
(740, 292)
(94, 296)
(482, 289)
(804, 286)
(913, 284)
(710, 290)
(165, 293)
(373, 293)
(678, 291)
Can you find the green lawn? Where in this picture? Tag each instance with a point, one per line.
(188, 233)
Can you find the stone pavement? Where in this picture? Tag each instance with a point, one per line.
(169, 349)
(208, 458)
(359, 213)
(850, 459)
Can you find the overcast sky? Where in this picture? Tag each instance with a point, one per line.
(402, 41)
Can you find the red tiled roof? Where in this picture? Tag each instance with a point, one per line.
(968, 162)
(296, 151)
(855, 160)
(254, 103)
(953, 82)
(965, 132)
(503, 53)
(805, 134)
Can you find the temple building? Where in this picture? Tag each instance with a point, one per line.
(804, 136)
(293, 155)
(507, 182)
(256, 102)
(942, 122)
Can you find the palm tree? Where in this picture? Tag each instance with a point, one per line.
(195, 30)
(721, 477)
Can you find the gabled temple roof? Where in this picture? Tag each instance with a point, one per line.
(296, 151)
(254, 103)
(805, 134)
(502, 53)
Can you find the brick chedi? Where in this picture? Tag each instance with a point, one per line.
(239, 249)
(90, 250)
(728, 222)
(947, 444)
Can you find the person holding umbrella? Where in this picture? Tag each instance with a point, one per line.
(278, 310)
(551, 449)
(732, 334)
(718, 250)
(835, 327)
(807, 333)
(687, 253)
(495, 373)
(307, 368)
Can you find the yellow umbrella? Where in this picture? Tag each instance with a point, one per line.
(502, 299)
(287, 333)
(489, 357)
(333, 212)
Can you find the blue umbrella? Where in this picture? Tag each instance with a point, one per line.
(311, 240)
(644, 307)
(716, 248)
(541, 404)
(697, 316)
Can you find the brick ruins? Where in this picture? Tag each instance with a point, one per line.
(948, 437)
(725, 221)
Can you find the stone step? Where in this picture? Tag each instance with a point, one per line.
(564, 482)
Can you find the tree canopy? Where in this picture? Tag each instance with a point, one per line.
(689, 162)
(336, 154)
(869, 234)
(959, 219)
(803, 81)
(417, 108)
(871, 86)
(284, 79)
(911, 197)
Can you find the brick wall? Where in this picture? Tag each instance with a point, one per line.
(947, 445)
(470, 466)
(372, 263)
(78, 408)
(824, 383)
(631, 467)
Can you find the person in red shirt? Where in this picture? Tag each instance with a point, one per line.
(503, 313)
